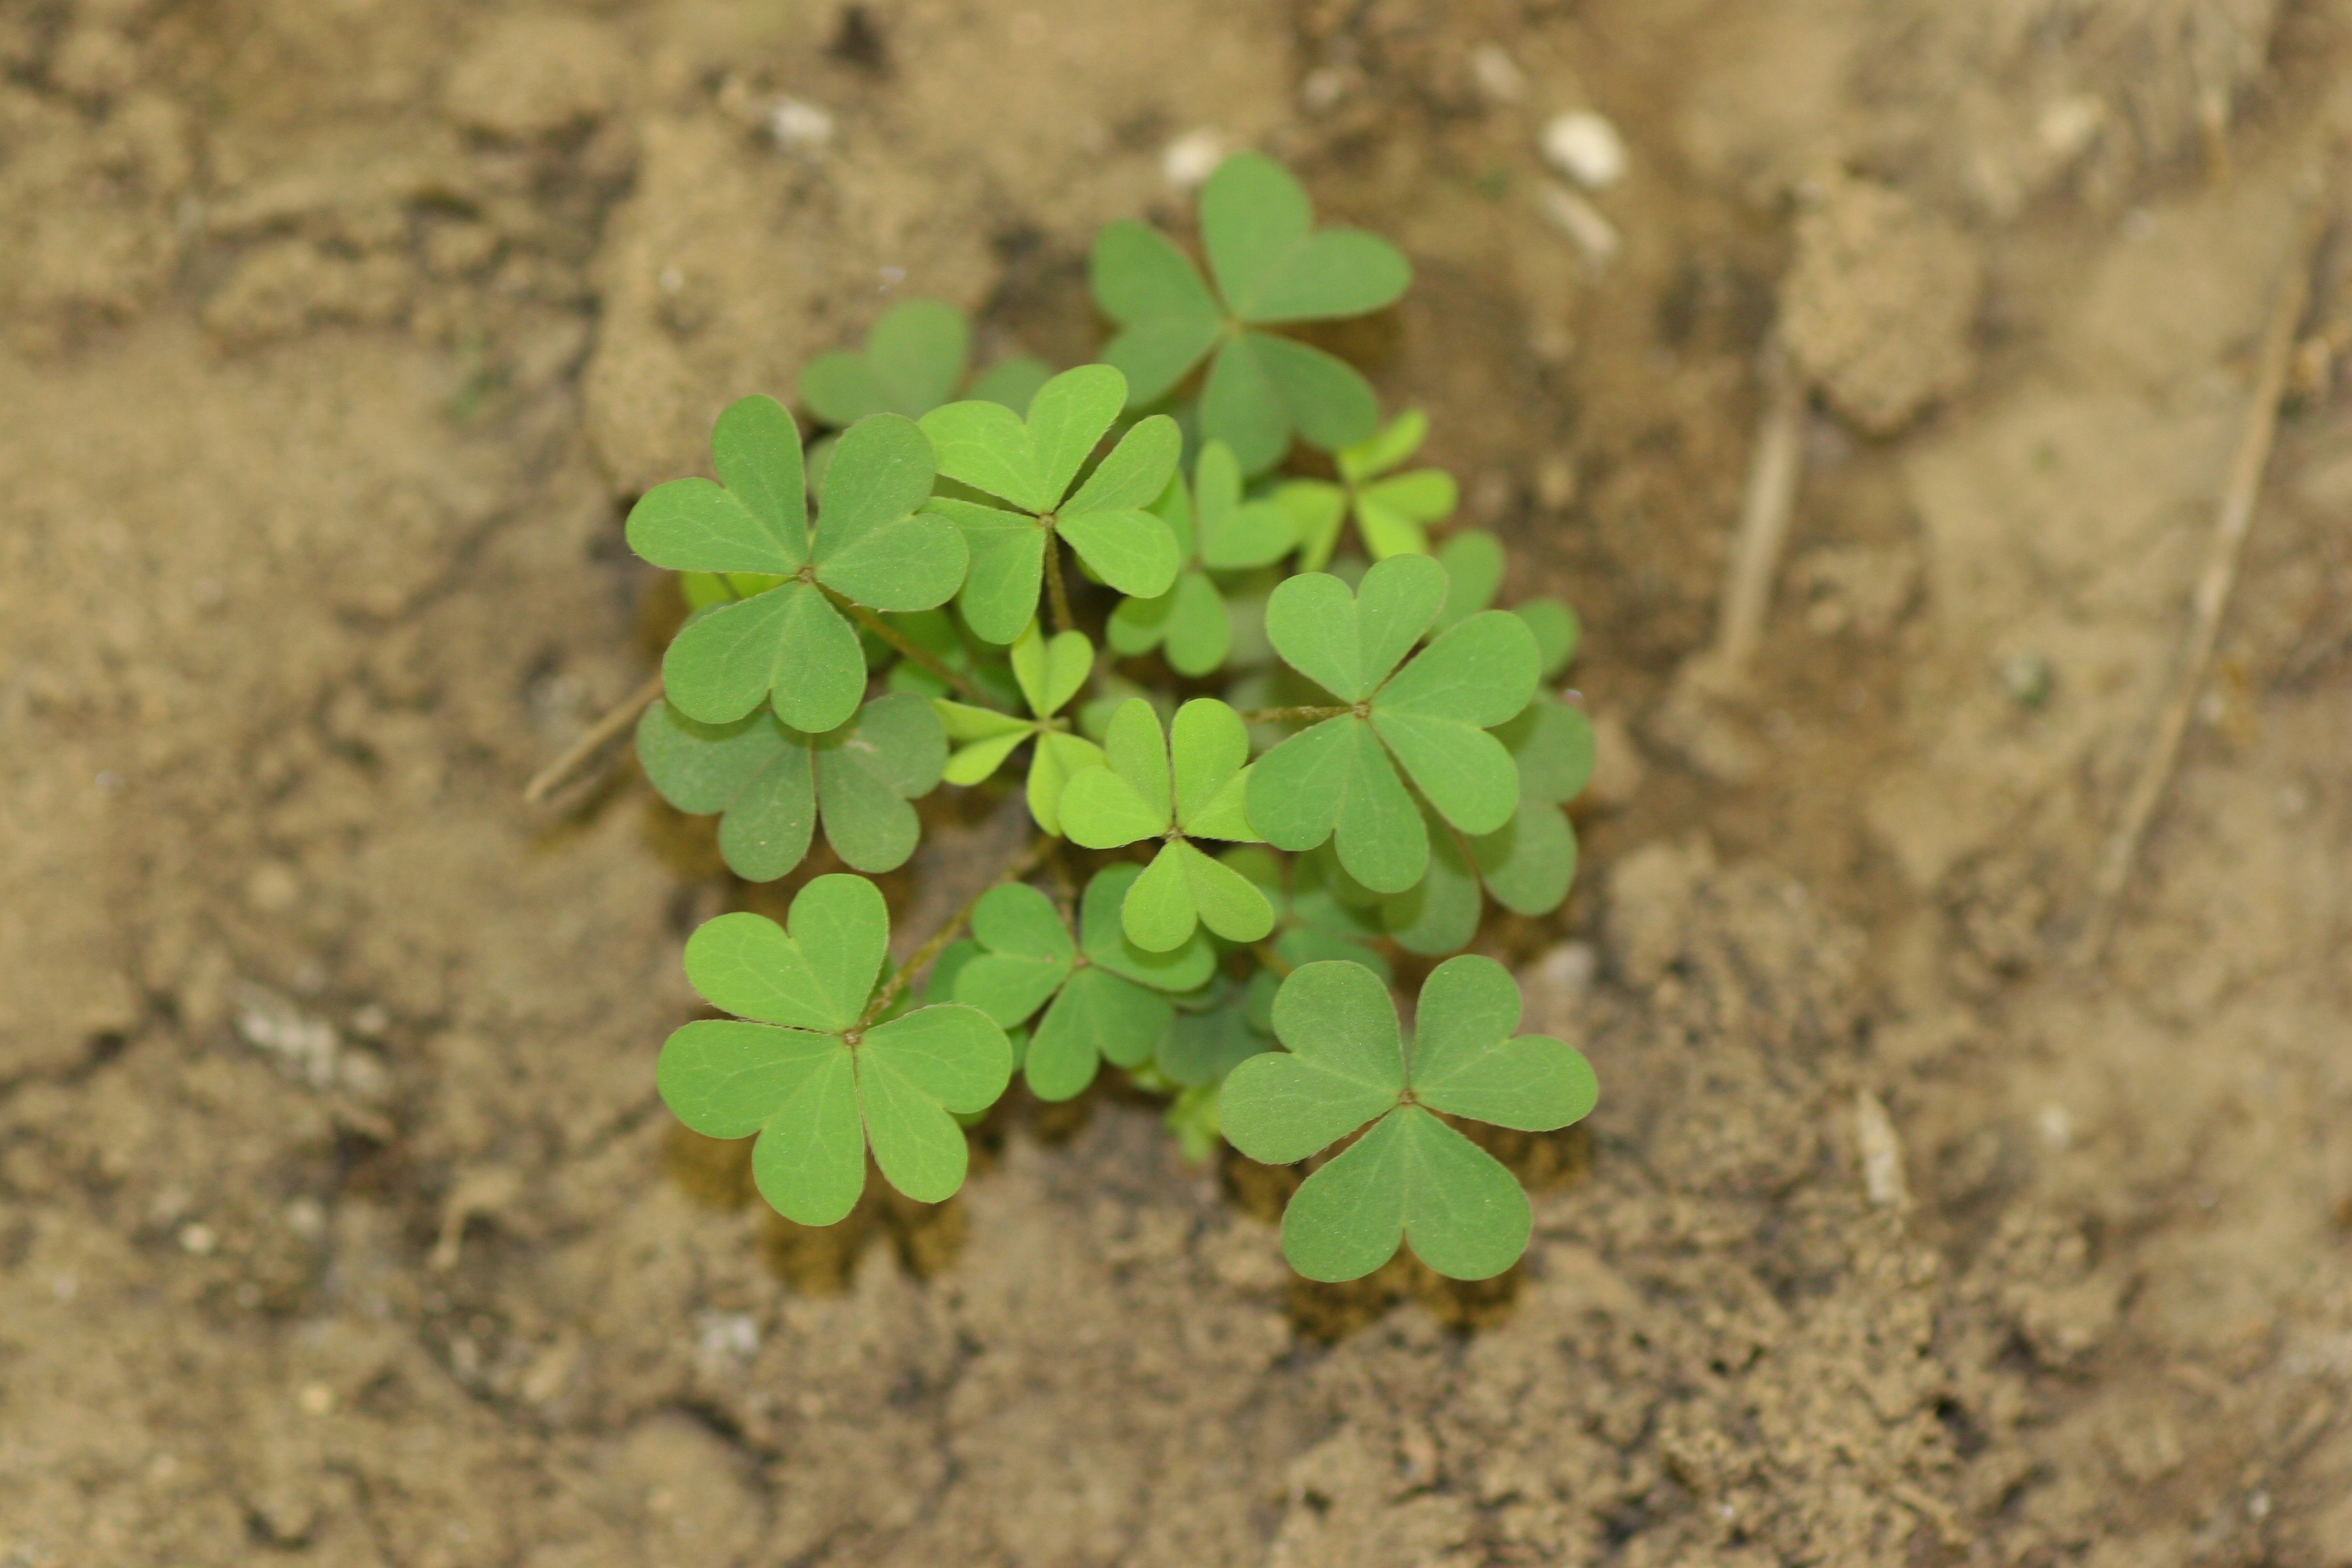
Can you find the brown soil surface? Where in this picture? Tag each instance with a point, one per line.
(339, 1223)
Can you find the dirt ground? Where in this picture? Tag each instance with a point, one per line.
(339, 1223)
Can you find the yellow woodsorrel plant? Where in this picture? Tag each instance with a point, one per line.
(1305, 761)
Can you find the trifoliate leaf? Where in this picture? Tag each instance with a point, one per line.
(913, 358)
(1031, 464)
(869, 547)
(818, 1088)
(773, 783)
(1191, 781)
(1271, 266)
(1270, 263)
(1410, 1178)
(1025, 954)
(1335, 780)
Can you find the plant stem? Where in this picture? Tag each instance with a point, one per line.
(1062, 622)
(905, 644)
(1022, 864)
(1271, 959)
(1284, 715)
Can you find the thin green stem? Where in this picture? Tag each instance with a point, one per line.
(1271, 960)
(1025, 863)
(1063, 620)
(905, 644)
(1287, 715)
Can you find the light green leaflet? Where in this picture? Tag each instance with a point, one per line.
(1031, 465)
(773, 783)
(1392, 510)
(1410, 1178)
(1104, 998)
(1337, 780)
(1473, 559)
(912, 361)
(1271, 266)
(1050, 673)
(789, 643)
(1216, 529)
(816, 1082)
(1187, 783)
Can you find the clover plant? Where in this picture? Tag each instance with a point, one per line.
(1256, 786)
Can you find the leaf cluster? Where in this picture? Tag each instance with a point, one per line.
(1264, 757)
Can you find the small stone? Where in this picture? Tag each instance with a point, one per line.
(198, 1239)
(1585, 147)
(799, 127)
(316, 1399)
(1189, 161)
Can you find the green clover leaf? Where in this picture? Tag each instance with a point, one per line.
(1216, 529)
(1049, 674)
(1271, 266)
(1030, 466)
(1410, 1178)
(1024, 959)
(803, 1068)
(1339, 779)
(789, 643)
(1392, 510)
(913, 360)
(773, 783)
(1187, 783)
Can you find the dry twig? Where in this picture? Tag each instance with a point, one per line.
(1772, 473)
(2231, 526)
(558, 772)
